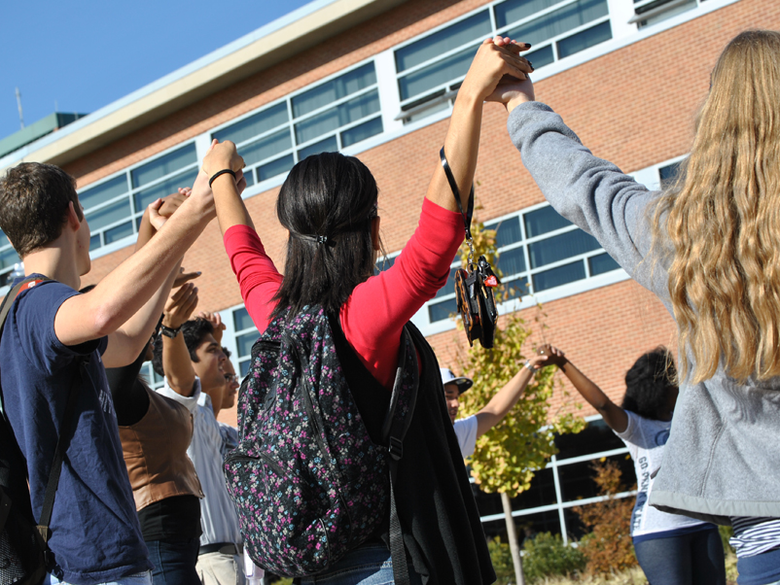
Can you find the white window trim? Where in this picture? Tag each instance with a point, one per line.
(560, 505)
(130, 193)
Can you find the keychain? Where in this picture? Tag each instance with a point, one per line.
(474, 285)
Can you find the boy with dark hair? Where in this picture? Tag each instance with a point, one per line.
(55, 337)
(193, 363)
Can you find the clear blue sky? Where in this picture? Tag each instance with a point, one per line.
(85, 54)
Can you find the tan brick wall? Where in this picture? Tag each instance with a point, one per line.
(634, 106)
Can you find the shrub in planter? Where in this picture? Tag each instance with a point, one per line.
(547, 556)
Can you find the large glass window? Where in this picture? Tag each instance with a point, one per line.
(566, 482)
(431, 69)
(114, 207)
(538, 250)
(327, 117)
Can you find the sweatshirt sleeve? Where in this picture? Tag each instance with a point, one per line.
(590, 192)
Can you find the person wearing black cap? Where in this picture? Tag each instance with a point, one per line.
(469, 429)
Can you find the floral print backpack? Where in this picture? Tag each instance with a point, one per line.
(308, 482)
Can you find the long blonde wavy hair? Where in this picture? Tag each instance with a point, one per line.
(722, 219)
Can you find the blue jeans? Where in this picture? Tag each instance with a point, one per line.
(144, 578)
(367, 565)
(690, 559)
(174, 561)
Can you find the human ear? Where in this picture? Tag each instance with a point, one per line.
(73, 217)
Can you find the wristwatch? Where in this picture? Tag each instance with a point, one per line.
(169, 332)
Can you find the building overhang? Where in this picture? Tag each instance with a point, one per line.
(267, 46)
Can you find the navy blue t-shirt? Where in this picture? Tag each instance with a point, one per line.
(96, 536)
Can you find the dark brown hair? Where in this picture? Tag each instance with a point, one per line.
(34, 200)
(327, 203)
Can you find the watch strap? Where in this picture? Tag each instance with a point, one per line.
(169, 331)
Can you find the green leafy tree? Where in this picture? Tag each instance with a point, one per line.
(507, 456)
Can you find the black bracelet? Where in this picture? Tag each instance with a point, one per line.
(222, 172)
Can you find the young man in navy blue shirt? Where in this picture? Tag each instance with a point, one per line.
(51, 329)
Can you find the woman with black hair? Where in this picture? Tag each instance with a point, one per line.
(328, 204)
(671, 549)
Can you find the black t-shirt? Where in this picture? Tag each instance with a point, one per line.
(439, 517)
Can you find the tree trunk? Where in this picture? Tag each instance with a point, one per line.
(511, 531)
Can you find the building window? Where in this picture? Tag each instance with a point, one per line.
(245, 334)
(538, 250)
(668, 174)
(566, 482)
(114, 207)
(430, 69)
(330, 116)
(8, 260)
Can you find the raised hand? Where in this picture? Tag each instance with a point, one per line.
(512, 88)
(180, 306)
(497, 59)
(222, 155)
(216, 322)
(172, 202)
(184, 277)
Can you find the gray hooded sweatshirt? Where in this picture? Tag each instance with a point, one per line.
(723, 455)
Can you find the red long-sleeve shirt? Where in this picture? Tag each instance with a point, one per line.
(376, 311)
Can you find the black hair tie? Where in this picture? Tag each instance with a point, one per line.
(220, 173)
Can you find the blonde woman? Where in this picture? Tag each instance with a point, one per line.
(710, 249)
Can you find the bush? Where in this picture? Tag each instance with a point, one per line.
(501, 556)
(547, 556)
(608, 547)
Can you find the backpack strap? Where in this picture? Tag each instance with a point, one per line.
(394, 430)
(64, 436)
(63, 440)
(5, 308)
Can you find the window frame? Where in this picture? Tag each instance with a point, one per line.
(296, 148)
(412, 108)
(135, 215)
(528, 299)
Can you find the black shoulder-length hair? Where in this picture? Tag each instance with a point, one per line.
(327, 203)
(648, 383)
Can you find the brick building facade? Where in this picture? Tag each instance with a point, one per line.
(375, 78)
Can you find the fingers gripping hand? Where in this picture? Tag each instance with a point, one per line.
(173, 201)
(497, 59)
(180, 306)
(216, 322)
(155, 218)
(554, 355)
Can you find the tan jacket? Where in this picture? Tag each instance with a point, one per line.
(155, 451)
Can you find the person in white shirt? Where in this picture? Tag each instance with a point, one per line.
(193, 362)
(670, 548)
(469, 429)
